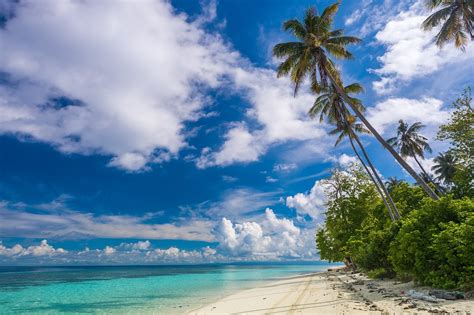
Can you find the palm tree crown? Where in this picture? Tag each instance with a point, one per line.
(408, 141)
(457, 17)
(445, 167)
(330, 104)
(309, 55)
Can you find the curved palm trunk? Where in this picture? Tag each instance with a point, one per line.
(401, 161)
(390, 200)
(438, 188)
(419, 164)
(390, 211)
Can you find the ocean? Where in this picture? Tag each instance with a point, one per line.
(132, 289)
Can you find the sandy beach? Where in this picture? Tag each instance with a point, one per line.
(334, 292)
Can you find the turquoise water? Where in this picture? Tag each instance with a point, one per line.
(130, 289)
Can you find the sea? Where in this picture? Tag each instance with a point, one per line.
(133, 289)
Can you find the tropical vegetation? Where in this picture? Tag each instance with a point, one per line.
(432, 243)
(392, 229)
(310, 56)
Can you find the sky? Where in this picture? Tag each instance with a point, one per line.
(155, 132)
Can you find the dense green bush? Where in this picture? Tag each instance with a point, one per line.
(434, 245)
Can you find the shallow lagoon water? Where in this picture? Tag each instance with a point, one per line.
(131, 289)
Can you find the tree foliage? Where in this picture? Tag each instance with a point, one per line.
(350, 194)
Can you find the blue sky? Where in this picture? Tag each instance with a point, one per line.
(157, 132)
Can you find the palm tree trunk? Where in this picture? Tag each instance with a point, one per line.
(392, 203)
(401, 161)
(419, 164)
(390, 212)
(438, 188)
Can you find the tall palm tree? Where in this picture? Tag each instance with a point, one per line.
(457, 19)
(410, 143)
(349, 130)
(445, 167)
(330, 105)
(309, 56)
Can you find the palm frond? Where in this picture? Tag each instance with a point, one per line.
(344, 40)
(436, 18)
(286, 49)
(296, 27)
(329, 13)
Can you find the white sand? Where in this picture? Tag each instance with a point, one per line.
(331, 293)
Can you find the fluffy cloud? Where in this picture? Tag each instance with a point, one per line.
(281, 117)
(125, 253)
(270, 239)
(43, 249)
(117, 84)
(132, 75)
(312, 203)
(410, 52)
(57, 221)
(387, 113)
(239, 146)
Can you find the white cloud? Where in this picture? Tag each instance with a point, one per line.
(43, 249)
(141, 245)
(387, 113)
(229, 179)
(124, 63)
(345, 160)
(410, 51)
(109, 250)
(312, 203)
(51, 222)
(236, 203)
(354, 17)
(284, 167)
(281, 117)
(272, 238)
(270, 179)
(123, 254)
(138, 70)
(239, 146)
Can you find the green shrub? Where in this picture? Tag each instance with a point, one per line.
(378, 273)
(434, 245)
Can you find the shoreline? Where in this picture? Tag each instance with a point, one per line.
(335, 291)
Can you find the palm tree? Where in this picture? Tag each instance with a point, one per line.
(309, 56)
(350, 129)
(457, 17)
(330, 105)
(410, 143)
(445, 167)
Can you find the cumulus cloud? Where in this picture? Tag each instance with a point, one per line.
(239, 146)
(43, 249)
(387, 113)
(312, 203)
(281, 117)
(121, 68)
(272, 238)
(410, 52)
(117, 84)
(125, 253)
